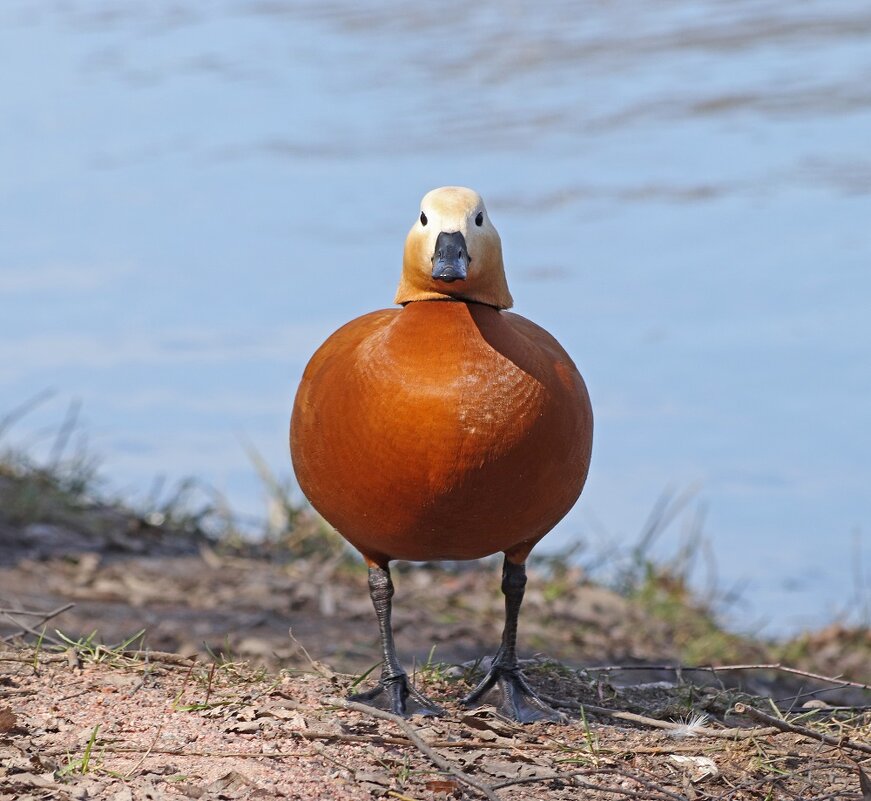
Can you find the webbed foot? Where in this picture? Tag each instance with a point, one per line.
(398, 695)
(516, 699)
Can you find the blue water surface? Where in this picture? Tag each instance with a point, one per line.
(194, 195)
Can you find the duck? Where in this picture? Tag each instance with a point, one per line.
(446, 429)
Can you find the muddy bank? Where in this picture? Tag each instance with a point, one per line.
(176, 589)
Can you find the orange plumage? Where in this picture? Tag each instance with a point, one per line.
(445, 430)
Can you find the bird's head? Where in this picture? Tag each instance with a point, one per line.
(453, 251)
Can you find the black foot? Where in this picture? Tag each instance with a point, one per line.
(516, 699)
(397, 695)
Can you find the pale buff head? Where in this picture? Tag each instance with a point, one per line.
(467, 235)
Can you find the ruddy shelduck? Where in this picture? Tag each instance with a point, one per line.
(448, 429)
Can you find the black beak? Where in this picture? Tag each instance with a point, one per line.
(450, 262)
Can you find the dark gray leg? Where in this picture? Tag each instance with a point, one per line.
(394, 692)
(517, 700)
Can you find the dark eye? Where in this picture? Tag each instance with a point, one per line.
(422, 218)
(479, 220)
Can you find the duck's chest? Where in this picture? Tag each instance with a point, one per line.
(450, 369)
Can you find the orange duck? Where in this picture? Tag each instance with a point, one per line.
(447, 429)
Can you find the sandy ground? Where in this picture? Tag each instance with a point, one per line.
(155, 727)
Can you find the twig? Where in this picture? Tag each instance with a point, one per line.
(164, 657)
(378, 739)
(212, 669)
(440, 762)
(475, 744)
(17, 656)
(706, 731)
(794, 699)
(31, 629)
(574, 774)
(302, 648)
(5, 610)
(176, 660)
(462, 745)
(838, 742)
(723, 668)
(180, 752)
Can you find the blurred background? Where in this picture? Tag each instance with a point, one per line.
(194, 195)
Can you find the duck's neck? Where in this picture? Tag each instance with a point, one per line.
(443, 302)
(459, 312)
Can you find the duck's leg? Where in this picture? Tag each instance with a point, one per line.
(394, 691)
(517, 700)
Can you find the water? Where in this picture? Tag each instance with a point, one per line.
(193, 196)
